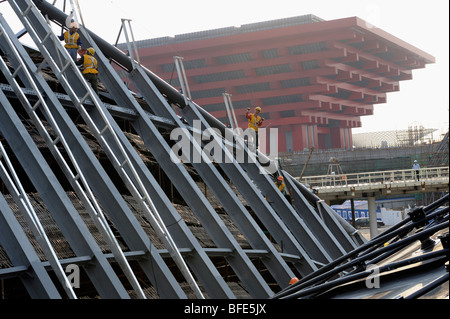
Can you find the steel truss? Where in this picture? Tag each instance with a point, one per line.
(307, 230)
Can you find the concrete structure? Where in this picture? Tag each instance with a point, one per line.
(314, 79)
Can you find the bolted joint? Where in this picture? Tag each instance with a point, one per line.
(418, 217)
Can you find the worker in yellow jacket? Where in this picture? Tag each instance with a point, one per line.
(89, 67)
(282, 187)
(254, 122)
(72, 40)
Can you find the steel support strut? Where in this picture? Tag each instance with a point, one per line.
(200, 206)
(104, 189)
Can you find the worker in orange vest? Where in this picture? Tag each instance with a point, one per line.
(72, 40)
(254, 122)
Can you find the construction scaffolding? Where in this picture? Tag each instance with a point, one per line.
(413, 136)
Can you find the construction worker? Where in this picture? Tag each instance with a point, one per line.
(282, 187)
(72, 40)
(254, 122)
(89, 67)
(416, 168)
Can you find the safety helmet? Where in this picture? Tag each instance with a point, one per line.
(415, 161)
(258, 109)
(74, 25)
(280, 178)
(91, 51)
(293, 280)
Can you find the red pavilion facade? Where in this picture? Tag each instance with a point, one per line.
(313, 79)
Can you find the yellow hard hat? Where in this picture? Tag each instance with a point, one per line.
(91, 51)
(258, 109)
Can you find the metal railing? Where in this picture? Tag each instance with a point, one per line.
(381, 177)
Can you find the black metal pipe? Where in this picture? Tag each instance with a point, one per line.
(434, 284)
(322, 288)
(335, 266)
(302, 289)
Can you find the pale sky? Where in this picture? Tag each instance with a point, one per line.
(424, 100)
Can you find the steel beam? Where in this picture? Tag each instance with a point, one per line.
(216, 183)
(104, 189)
(23, 256)
(185, 185)
(331, 218)
(97, 118)
(337, 240)
(160, 108)
(266, 187)
(47, 185)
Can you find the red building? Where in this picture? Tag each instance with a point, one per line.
(313, 79)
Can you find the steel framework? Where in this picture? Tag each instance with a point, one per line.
(307, 231)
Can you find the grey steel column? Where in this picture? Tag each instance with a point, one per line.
(217, 184)
(372, 216)
(240, 263)
(333, 246)
(21, 253)
(46, 183)
(105, 191)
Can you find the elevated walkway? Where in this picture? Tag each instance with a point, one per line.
(382, 183)
(374, 184)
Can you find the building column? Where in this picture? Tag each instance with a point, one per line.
(336, 137)
(282, 147)
(313, 137)
(350, 139)
(372, 216)
(298, 137)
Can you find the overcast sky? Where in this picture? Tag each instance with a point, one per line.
(424, 100)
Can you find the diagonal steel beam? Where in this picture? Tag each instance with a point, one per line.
(325, 229)
(184, 183)
(216, 182)
(46, 183)
(254, 185)
(21, 253)
(104, 189)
